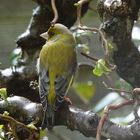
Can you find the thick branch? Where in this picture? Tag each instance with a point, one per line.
(118, 20)
(74, 118)
(17, 81)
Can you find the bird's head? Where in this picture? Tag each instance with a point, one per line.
(57, 29)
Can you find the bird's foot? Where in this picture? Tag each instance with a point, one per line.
(67, 99)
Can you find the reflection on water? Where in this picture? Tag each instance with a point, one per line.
(14, 18)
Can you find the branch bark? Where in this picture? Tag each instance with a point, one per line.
(118, 21)
(72, 117)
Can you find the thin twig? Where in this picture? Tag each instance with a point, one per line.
(14, 123)
(100, 33)
(104, 41)
(107, 109)
(55, 13)
(136, 95)
(88, 28)
(79, 14)
(81, 2)
(105, 44)
(79, 5)
(136, 91)
(117, 90)
(90, 57)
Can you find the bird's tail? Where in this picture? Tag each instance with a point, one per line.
(48, 119)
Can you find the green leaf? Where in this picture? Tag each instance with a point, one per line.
(1, 126)
(85, 49)
(6, 113)
(42, 134)
(3, 93)
(32, 126)
(2, 132)
(97, 70)
(101, 68)
(110, 46)
(85, 90)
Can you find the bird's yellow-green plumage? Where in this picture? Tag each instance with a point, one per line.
(57, 65)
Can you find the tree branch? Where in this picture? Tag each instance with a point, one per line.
(17, 81)
(118, 21)
(55, 12)
(74, 118)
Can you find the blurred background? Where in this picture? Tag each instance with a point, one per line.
(88, 92)
(14, 18)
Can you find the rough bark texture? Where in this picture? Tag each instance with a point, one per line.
(118, 21)
(72, 117)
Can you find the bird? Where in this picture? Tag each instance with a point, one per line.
(57, 64)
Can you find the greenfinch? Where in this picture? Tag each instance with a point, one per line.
(57, 64)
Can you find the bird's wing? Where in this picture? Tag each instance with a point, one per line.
(62, 84)
(44, 85)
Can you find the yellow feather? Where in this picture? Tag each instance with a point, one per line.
(51, 96)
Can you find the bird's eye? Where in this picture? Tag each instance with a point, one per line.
(51, 34)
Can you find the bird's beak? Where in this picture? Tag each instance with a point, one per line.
(45, 35)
